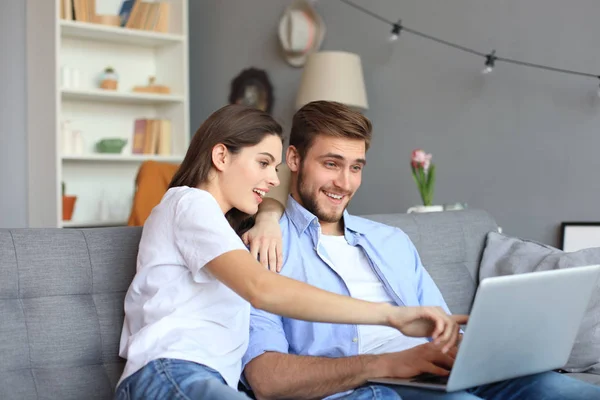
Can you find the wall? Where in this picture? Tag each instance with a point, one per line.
(13, 144)
(227, 37)
(520, 143)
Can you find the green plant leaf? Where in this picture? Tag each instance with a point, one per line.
(431, 176)
(431, 183)
(417, 183)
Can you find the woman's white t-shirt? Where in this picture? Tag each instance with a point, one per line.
(175, 308)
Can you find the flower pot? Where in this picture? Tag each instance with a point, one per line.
(109, 79)
(424, 209)
(108, 84)
(68, 205)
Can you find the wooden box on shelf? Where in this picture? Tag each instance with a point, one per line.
(152, 87)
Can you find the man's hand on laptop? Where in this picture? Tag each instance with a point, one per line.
(431, 322)
(425, 358)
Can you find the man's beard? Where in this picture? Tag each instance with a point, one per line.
(311, 203)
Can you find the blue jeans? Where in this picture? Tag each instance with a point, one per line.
(167, 378)
(545, 386)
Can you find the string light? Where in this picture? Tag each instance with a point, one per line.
(396, 28)
(490, 59)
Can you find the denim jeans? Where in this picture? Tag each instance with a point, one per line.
(167, 378)
(545, 386)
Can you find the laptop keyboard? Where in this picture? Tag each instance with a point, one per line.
(430, 378)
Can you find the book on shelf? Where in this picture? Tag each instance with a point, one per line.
(66, 10)
(152, 136)
(149, 16)
(125, 10)
(78, 10)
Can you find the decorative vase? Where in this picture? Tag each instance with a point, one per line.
(424, 209)
(68, 206)
(111, 145)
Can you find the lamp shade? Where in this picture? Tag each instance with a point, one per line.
(333, 76)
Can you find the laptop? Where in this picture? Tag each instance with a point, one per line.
(519, 325)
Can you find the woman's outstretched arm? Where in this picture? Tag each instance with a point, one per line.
(291, 298)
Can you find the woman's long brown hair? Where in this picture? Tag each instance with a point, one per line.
(234, 126)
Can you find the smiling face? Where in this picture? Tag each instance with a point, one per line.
(250, 174)
(327, 177)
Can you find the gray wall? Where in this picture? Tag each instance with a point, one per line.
(13, 144)
(520, 143)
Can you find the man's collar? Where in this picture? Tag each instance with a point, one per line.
(301, 218)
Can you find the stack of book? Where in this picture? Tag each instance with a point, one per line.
(152, 136)
(134, 14)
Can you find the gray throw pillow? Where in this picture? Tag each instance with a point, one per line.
(504, 255)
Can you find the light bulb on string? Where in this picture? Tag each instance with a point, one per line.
(490, 61)
(396, 28)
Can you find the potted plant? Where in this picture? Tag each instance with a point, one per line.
(68, 204)
(423, 172)
(109, 79)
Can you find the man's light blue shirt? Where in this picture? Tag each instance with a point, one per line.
(392, 257)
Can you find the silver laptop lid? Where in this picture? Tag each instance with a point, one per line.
(522, 324)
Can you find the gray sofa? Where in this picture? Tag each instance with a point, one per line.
(62, 290)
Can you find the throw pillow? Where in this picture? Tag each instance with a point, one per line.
(504, 255)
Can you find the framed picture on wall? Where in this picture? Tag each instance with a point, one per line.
(579, 235)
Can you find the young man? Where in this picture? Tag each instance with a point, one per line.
(329, 248)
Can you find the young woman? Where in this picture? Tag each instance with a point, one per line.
(187, 310)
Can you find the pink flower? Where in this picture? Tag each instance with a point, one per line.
(418, 156)
(421, 159)
(427, 162)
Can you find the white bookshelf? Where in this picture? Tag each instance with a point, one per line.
(103, 183)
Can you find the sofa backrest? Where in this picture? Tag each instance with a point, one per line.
(450, 245)
(61, 310)
(62, 291)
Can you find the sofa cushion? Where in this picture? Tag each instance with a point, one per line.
(504, 255)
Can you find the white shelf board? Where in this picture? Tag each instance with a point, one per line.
(92, 224)
(121, 158)
(109, 96)
(86, 30)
